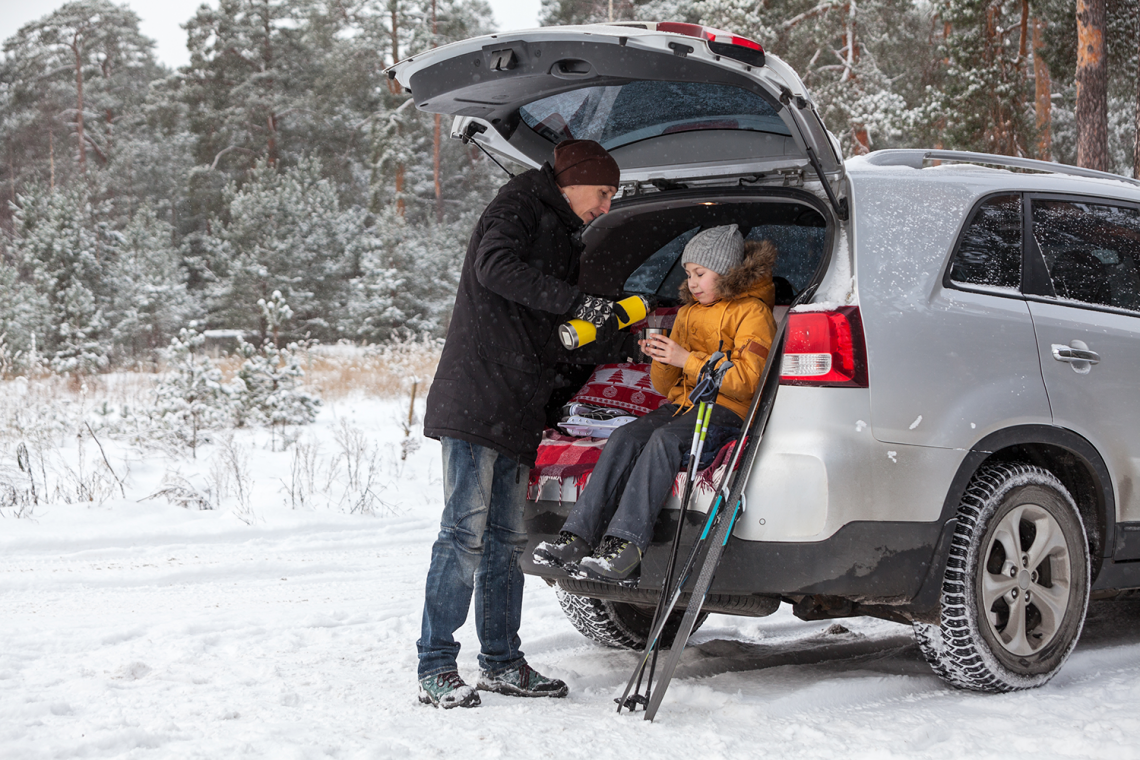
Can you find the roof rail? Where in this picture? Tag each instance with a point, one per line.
(916, 158)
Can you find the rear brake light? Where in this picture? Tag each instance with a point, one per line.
(825, 348)
(719, 41)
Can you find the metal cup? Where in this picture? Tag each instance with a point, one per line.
(647, 333)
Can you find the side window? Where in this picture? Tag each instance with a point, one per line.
(989, 252)
(1091, 251)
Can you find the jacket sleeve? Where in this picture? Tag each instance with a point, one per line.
(665, 376)
(510, 227)
(751, 343)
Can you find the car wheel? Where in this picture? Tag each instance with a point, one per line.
(1016, 584)
(618, 624)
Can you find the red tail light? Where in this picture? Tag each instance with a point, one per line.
(719, 41)
(825, 348)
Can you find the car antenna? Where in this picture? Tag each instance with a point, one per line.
(468, 136)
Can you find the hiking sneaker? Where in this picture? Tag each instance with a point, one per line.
(567, 550)
(614, 561)
(447, 690)
(523, 681)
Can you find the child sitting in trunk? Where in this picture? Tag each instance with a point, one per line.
(728, 296)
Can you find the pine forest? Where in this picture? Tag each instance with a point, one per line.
(281, 187)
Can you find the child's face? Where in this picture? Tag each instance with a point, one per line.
(704, 284)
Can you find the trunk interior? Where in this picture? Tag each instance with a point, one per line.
(636, 249)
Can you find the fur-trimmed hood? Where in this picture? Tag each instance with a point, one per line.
(751, 277)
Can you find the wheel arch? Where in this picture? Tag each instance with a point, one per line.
(1070, 457)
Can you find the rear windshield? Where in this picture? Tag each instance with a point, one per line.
(622, 114)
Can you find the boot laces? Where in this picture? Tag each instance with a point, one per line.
(611, 547)
(451, 679)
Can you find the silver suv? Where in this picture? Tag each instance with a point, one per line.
(954, 442)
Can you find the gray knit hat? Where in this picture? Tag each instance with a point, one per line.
(717, 248)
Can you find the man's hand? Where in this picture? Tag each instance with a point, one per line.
(600, 313)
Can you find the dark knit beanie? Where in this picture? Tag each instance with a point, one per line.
(584, 162)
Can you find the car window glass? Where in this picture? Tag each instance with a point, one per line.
(617, 115)
(650, 276)
(989, 253)
(798, 252)
(1091, 251)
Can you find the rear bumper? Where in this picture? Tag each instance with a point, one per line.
(895, 564)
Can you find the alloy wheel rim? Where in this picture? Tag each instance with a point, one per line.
(1025, 579)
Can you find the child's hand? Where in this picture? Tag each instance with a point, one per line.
(665, 350)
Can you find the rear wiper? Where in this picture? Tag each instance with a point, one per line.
(668, 184)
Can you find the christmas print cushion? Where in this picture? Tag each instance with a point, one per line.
(620, 386)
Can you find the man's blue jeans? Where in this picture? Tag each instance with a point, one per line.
(481, 537)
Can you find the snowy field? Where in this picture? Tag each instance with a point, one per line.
(133, 627)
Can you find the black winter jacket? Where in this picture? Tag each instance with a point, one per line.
(518, 283)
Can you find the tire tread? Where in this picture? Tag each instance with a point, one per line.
(951, 647)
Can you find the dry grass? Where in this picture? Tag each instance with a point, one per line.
(332, 371)
(385, 371)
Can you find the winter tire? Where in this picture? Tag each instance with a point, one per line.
(1016, 585)
(617, 624)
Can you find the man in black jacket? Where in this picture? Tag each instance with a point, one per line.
(486, 406)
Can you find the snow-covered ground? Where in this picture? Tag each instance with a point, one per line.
(265, 628)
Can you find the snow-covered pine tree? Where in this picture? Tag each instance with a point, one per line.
(269, 388)
(987, 98)
(23, 316)
(272, 391)
(286, 233)
(190, 398)
(1122, 27)
(402, 161)
(64, 245)
(411, 271)
(149, 300)
(76, 80)
(856, 56)
(373, 311)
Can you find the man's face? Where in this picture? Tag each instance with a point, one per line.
(589, 201)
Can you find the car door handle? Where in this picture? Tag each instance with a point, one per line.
(1070, 354)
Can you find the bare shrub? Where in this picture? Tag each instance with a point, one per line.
(180, 492)
(86, 482)
(229, 476)
(18, 492)
(302, 474)
(360, 461)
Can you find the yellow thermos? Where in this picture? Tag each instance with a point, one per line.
(579, 332)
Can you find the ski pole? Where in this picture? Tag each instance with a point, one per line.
(745, 456)
(694, 456)
(704, 395)
(704, 414)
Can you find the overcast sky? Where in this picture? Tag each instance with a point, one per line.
(161, 19)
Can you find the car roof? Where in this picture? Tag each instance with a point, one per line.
(984, 177)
